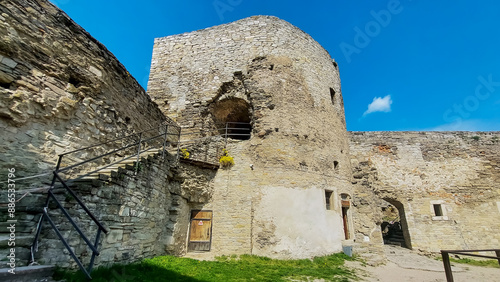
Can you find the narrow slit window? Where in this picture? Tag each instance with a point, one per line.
(332, 95)
(328, 198)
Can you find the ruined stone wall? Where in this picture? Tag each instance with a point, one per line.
(189, 70)
(264, 71)
(60, 89)
(460, 171)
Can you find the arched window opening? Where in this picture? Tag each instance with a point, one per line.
(233, 118)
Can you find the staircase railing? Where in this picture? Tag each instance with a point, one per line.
(206, 145)
(79, 170)
(445, 254)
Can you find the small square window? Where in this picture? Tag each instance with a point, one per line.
(328, 198)
(438, 210)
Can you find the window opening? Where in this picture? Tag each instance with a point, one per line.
(332, 95)
(438, 211)
(328, 198)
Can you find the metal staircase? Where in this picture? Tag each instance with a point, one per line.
(101, 160)
(135, 146)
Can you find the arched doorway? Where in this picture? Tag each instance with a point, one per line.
(394, 226)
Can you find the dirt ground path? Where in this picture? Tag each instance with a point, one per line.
(405, 265)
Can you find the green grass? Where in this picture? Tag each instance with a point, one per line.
(485, 263)
(244, 268)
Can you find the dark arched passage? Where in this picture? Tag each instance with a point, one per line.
(396, 230)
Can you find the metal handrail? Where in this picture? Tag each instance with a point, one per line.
(207, 148)
(95, 158)
(100, 144)
(236, 122)
(446, 258)
(234, 128)
(58, 169)
(69, 182)
(57, 178)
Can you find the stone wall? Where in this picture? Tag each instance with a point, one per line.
(60, 89)
(268, 73)
(460, 171)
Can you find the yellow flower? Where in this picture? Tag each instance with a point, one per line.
(185, 154)
(226, 160)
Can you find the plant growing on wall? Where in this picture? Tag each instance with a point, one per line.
(226, 160)
(185, 154)
(140, 166)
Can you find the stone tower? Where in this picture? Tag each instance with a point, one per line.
(288, 193)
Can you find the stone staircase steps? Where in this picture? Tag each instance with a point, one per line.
(128, 164)
(29, 210)
(36, 273)
(396, 239)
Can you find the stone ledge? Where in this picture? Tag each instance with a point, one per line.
(201, 164)
(28, 273)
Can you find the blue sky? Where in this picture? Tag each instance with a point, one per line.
(404, 65)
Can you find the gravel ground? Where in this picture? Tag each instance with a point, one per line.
(405, 265)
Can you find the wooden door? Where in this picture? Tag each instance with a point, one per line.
(345, 207)
(200, 231)
(346, 223)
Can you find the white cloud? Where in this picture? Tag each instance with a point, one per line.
(379, 105)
